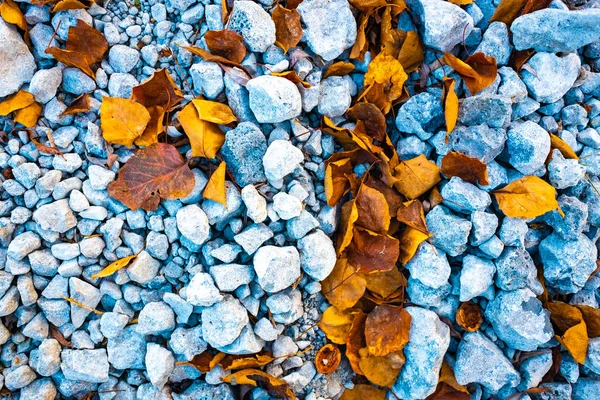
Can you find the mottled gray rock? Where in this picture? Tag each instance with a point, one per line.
(23, 244)
(495, 43)
(207, 78)
(44, 85)
(127, 350)
(251, 21)
(123, 58)
(515, 270)
(533, 370)
(272, 98)
(243, 151)
(85, 365)
(143, 268)
(187, 342)
(573, 222)
(85, 294)
(430, 266)
(112, 324)
(256, 205)
(223, 322)
(317, 255)
(276, 268)
(492, 110)
(554, 76)
(229, 277)
(476, 276)
(280, 159)
(464, 197)
(246, 343)
(450, 232)
(159, 364)
(56, 216)
(334, 97)
(156, 318)
(528, 146)
(18, 377)
(478, 141)
(201, 291)
(17, 62)
(192, 222)
(45, 359)
(253, 237)
(564, 173)
(421, 114)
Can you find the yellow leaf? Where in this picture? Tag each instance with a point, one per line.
(122, 120)
(212, 111)
(114, 267)
(478, 71)
(461, 2)
(29, 115)
(363, 392)
(416, 176)
(562, 146)
(508, 10)
(206, 138)
(411, 53)
(12, 14)
(255, 377)
(15, 102)
(215, 188)
(450, 102)
(528, 197)
(154, 127)
(336, 324)
(386, 73)
(344, 286)
(570, 328)
(410, 240)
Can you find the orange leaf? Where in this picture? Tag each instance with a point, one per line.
(206, 56)
(154, 128)
(412, 214)
(288, 29)
(385, 283)
(387, 72)
(215, 188)
(11, 13)
(356, 341)
(158, 90)
(469, 316)
(367, 6)
(114, 267)
(255, 377)
(571, 330)
(72, 59)
(411, 53)
(373, 210)
(450, 102)
(410, 240)
(122, 120)
(528, 197)
(562, 146)
(348, 216)
(336, 180)
(328, 359)
(467, 168)
(416, 176)
(29, 115)
(339, 68)
(213, 111)
(227, 44)
(371, 252)
(79, 105)
(291, 76)
(15, 102)
(154, 173)
(363, 392)
(206, 138)
(508, 10)
(382, 371)
(344, 286)
(447, 377)
(478, 71)
(591, 316)
(336, 324)
(386, 329)
(232, 362)
(360, 46)
(370, 120)
(69, 5)
(461, 2)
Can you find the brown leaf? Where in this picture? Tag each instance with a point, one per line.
(291, 76)
(339, 68)
(412, 214)
(508, 10)
(373, 210)
(154, 173)
(43, 148)
(469, 316)
(461, 2)
(367, 6)
(386, 330)
(385, 283)
(215, 188)
(254, 377)
(55, 333)
(154, 128)
(336, 180)
(372, 252)
(381, 371)
(447, 377)
(288, 29)
(207, 56)
(478, 71)
(528, 197)
(410, 240)
(447, 392)
(570, 329)
(72, 59)
(79, 105)
(344, 286)
(114, 267)
(356, 341)
(411, 53)
(363, 392)
(348, 139)
(467, 168)
(392, 197)
(336, 324)
(233, 362)
(203, 361)
(360, 46)
(370, 120)
(15, 102)
(29, 115)
(158, 90)
(562, 146)
(416, 176)
(70, 5)
(328, 359)
(122, 120)
(206, 138)
(591, 316)
(227, 44)
(450, 102)
(386, 74)
(11, 13)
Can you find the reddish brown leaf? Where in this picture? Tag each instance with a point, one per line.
(227, 44)
(207, 56)
(79, 105)
(373, 211)
(158, 90)
(469, 316)
(154, 173)
(291, 76)
(412, 214)
(467, 168)
(386, 330)
(373, 252)
(288, 29)
(233, 362)
(370, 120)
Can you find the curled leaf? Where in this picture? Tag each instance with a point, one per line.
(215, 188)
(469, 169)
(288, 29)
(122, 120)
(11, 13)
(114, 267)
(450, 102)
(79, 105)
(370, 120)
(227, 44)
(562, 146)
(339, 68)
(386, 77)
(328, 359)
(469, 316)
(158, 90)
(528, 197)
(233, 362)
(478, 71)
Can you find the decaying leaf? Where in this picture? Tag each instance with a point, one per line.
(369, 119)
(328, 359)
(213, 111)
(64, 5)
(15, 102)
(336, 324)
(412, 214)
(381, 371)
(508, 10)
(227, 44)
(154, 128)
(256, 377)
(373, 252)
(11, 13)
(348, 216)
(562, 146)
(79, 105)
(478, 71)
(591, 316)
(373, 210)
(469, 169)
(447, 377)
(416, 176)
(344, 286)
(385, 283)
(528, 197)
(206, 361)
(122, 120)
(292, 76)
(154, 173)
(450, 102)
(447, 392)
(386, 330)
(469, 316)
(158, 90)
(339, 68)
(410, 240)
(207, 56)
(288, 29)
(232, 362)
(29, 115)
(52, 149)
(206, 138)
(363, 392)
(570, 329)
(386, 77)
(215, 188)
(114, 267)
(336, 179)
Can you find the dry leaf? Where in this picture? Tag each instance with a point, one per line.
(385, 283)
(461, 2)
(158, 90)
(206, 138)
(11, 13)
(411, 53)
(447, 392)
(336, 180)
(227, 44)
(42, 147)
(122, 120)
(29, 115)
(478, 71)
(339, 68)
(356, 341)
(467, 168)
(528, 197)
(412, 214)
(562, 146)
(114, 267)
(367, 6)
(385, 75)
(15, 102)
(447, 377)
(360, 46)
(154, 173)
(154, 128)
(450, 102)
(386, 330)
(70, 5)
(205, 361)
(469, 316)
(570, 329)
(370, 120)
(508, 10)
(363, 392)
(416, 176)
(591, 316)
(410, 240)
(292, 76)
(79, 105)
(215, 188)
(348, 216)
(55, 333)
(288, 29)
(232, 362)
(381, 371)
(207, 56)
(213, 111)
(328, 359)
(372, 252)
(373, 210)
(254, 377)
(348, 139)
(336, 324)
(344, 286)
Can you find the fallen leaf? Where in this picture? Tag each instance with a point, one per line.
(207, 56)
(373, 211)
(570, 329)
(385, 283)
(562, 146)
(528, 197)
(43, 148)
(411, 53)
(447, 392)
(336, 180)
(79, 105)
(344, 286)
(158, 90)
(114, 267)
(435, 198)
(205, 361)
(288, 29)
(70, 5)
(386, 330)
(15, 102)
(392, 197)
(410, 239)
(72, 59)
(215, 188)
(348, 216)
(387, 73)
(450, 102)
(339, 68)
(328, 359)
(363, 392)
(348, 139)
(478, 71)
(233, 362)
(361, 45)
(370, 120)
(412, 214)
(447, 377)
(292, 76)
(372, 252)
(469, 169)
(206, 138)
(416, 176)
(381, 371)
(55, 333)
(591, 316)
(213, 111)
(508, 10)
(254, 377)
(356, 341)
(336, 324)
(11, 13)
(122, 120)
(469, 316)
(154, 173)
(29, 115)
(461, 2)
(154, 128)
(390, 38)
(367, 6)
(227, 44)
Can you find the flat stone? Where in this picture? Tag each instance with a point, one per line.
(223, 322)
(85, 365)
(16, 62)
(276, 268)
(273, 99)
(554, 76)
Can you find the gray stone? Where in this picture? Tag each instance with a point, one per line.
(219, 214)
(17, 62)
(464, 197)
(476, 276)
(528, 147)
(421, 114)
(83, 293)
(533, 370)
(203, 390)
(334, 97)
(564, 173)
(272, 98)
(20, 376)
(512, 86)
(123, 58)
(143, 268)
(280, 159)
(513, 231)
(253, 237)
(41, 389)
(573, 222)
(207, 78)
(127, 350)
(27, 174)
(192, 222)
(552, 30)
(121, 85)
(159, 364)
(428, 341)
(155, 318)
(56, 216)
(251, 21)
(45, 359)
(492, 110)
(554, 76)
(515, 270)
(223, 322)
(187, 342)
(243, 151)
(495, 43)
(519, 319)
(450, 232)
(76, 82)
(201, 291)
(256, 205)
(92, 247)
(287, 206)
(246, 343)
(481, 141)
(484, 227)
(276, 268)
(317, 255)
(23, 244)
(229, 277)
(429, 265)
(65, 251)
(85, 365)
(44, 85)
(112, 324)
